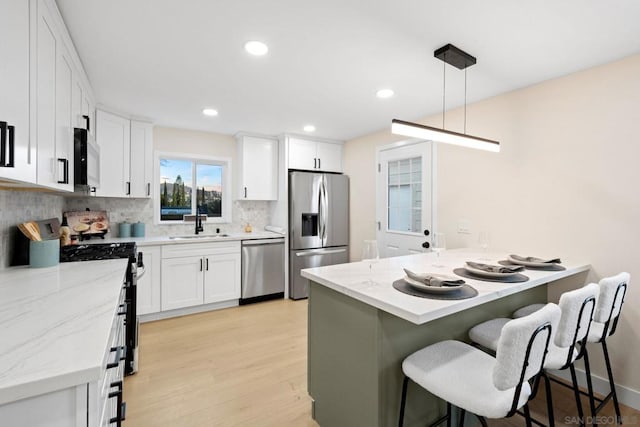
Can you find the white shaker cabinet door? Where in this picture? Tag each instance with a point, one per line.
(222, 277)
(149, 284)
(302, 154)
(182, 282)
(14, 92)
(114, 139)
(258, 168)
(329, 157)
(141, 159)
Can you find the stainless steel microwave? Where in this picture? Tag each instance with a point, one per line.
(86, 162)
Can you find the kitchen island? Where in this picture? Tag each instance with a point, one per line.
(361, 329)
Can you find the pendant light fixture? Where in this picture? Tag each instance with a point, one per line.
(460, 59)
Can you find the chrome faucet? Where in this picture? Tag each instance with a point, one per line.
(199, 227)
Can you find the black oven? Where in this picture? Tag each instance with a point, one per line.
(135, 269)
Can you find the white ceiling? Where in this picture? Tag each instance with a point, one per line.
(168, 59)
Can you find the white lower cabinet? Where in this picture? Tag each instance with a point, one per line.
(148, 294)
(94, 404)
(199, 273)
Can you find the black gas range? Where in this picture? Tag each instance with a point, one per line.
(135, 270)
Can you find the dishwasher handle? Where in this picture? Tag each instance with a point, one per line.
(262, 242)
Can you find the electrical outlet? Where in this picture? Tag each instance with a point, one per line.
(464, 227)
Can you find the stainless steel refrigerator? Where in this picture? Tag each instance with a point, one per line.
(318, 225)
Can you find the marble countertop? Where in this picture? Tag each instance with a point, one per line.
(55, 325)
(187, 238)
(353, 280)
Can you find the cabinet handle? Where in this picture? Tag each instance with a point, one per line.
(121, 410)
(200, 264)
(128, 188)
(315, 163)
(88, 120)
(93, 189)
(245, 192)
(125, 308)
(121, 354)
(148, 189)
(11, 130)
(319, 164)
(65, 169)
(207, 264)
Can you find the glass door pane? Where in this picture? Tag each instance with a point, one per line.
(404, 195)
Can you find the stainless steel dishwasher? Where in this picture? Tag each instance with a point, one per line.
(262, 270)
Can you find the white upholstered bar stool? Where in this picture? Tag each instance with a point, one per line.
(612, 292)
(569, 339)
(475, 381)
(608, 307)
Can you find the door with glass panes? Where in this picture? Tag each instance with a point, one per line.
(404, 199)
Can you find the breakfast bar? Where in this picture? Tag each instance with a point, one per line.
(361, 328)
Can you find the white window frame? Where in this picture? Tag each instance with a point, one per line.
(227, 188)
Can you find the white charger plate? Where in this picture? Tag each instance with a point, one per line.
(530, 263)
(432, 289)
(479, 272)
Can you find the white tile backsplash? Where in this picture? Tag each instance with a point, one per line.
(20, 206)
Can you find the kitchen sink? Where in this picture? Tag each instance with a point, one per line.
(203, 236)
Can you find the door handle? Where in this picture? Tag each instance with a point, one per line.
(65, 171)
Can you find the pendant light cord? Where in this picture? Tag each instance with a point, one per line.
(465, 100)
(444, 87)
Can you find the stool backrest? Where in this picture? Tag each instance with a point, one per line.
(522, 347)
(577, 311)
(610, 300)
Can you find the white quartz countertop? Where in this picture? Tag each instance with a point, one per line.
(353, 280)
(55, 325)
(188, 238)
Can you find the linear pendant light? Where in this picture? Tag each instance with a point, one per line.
(461, 60)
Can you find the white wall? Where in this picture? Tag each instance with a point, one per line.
(565, 182)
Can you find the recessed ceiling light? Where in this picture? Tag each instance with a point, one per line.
(256, 48)
(384, 93)
(309, 128)
(210, 112)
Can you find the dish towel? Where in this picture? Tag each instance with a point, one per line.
(432, 280)
(495, 268)
(534, 259)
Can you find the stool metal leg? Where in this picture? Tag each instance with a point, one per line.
(403, 401)
(547, 388)
(592, 397)
(483, 421)
(611, 383)
(576, 392)
(527, 415)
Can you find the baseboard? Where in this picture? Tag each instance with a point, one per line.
(186, 311)
(627, 396)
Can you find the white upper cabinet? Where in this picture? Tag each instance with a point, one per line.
(17, 155)
(53, 102)
(141, 159)
(315, 155)
(258, 168)
(59, 91)
(114, 138)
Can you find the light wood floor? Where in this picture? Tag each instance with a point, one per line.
(246, 366)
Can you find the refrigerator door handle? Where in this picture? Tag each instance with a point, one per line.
(325, 210)
(320, 252)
